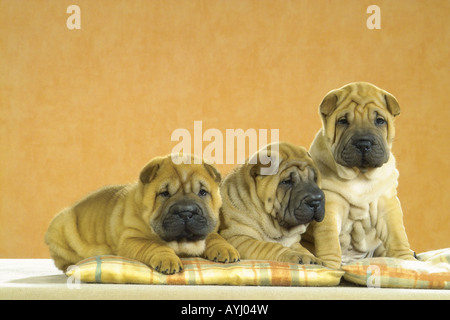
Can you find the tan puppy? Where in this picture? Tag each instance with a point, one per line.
(363, 215)
(173, 210)
(265, 215)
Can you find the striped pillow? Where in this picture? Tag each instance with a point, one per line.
(197, 271)
(432, 271)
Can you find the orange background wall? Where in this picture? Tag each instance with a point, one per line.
(80, 109)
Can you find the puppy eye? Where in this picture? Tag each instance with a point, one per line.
(380, 121)
(343, 121)
(165, 194)
(287, 183)
(203, 193)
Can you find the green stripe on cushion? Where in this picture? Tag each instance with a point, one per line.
(98, 270)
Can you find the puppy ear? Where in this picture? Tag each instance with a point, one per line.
(150, 170)
(328, 105)
(264, 162)
(392, 104)
(213, 172)
(255, 170)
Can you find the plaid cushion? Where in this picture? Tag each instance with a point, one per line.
(197, 271)
(432, 271)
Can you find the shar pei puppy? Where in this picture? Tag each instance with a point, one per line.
(363, 216)
(171, 211)
(265, 214)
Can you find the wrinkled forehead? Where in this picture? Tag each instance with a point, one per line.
(360, 94)
(368, 109)
(189, 177)
(302, 170)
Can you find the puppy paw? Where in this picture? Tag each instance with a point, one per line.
(307, 259)
(221, 252)
(406, 256)
(331, 264)
(166, 263)
(299, 258)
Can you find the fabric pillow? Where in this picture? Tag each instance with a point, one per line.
(432, 271)
(197, 271)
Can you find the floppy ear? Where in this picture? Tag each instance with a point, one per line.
(255, 170)
(328, 105)
(213, 172)
(264, 185)
(264, 162)
(150, 170)
(392, 104)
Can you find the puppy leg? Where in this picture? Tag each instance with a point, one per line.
(219, 250)
(62, 257)
(64, 241)
(250, 248)
(394, 235)
(326, 233)
(305, 257)
(151, 251)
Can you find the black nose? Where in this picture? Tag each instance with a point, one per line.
(185, 215)
(184, 210)
(363, 145)
(315, 200)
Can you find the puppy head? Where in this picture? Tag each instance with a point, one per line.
(181, 200)
(292, 195)
(358, 121)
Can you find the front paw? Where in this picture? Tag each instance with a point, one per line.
(221, 252)
(332, 264)
(299, 258)
(166, 263)
(411, 256)
(309, 259)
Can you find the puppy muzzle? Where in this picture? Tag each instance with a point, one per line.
(363, 151)
(312, 207)
(185, 220)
